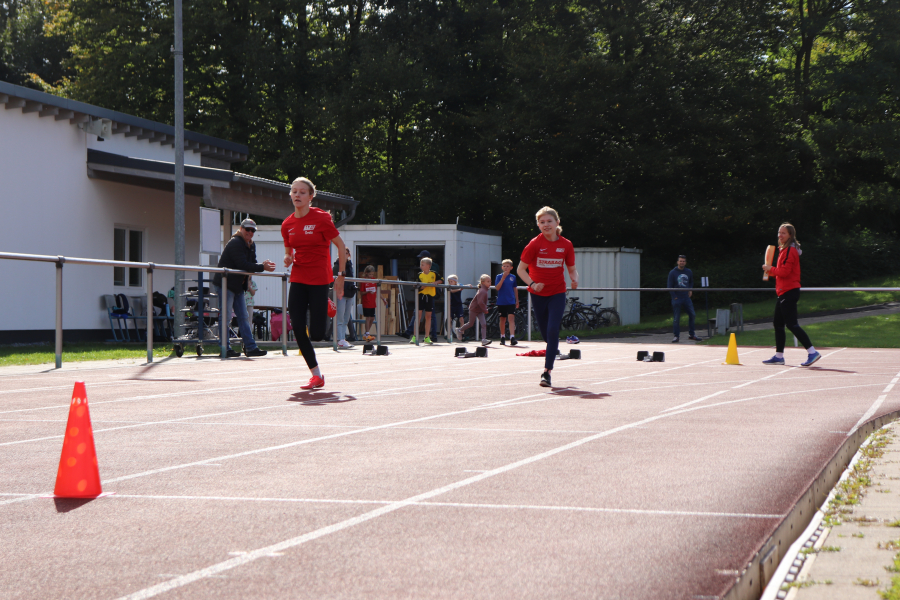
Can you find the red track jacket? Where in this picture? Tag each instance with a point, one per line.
(786, 270)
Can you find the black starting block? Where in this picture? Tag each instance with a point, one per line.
(463, 353)
(574, 354)
(645, 356)
(371, 350)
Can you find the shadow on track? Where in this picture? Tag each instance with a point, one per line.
(313, 398)
(571, 391)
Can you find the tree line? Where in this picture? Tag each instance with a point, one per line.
(675, 126)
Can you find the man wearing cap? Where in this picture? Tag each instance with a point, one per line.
(240, 254)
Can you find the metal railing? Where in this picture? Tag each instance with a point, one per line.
(149, 267)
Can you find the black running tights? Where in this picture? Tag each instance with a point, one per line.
(786, 316)
(312, 298)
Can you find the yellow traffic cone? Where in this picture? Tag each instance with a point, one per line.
(732, 357)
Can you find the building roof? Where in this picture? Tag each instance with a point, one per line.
(46, 105)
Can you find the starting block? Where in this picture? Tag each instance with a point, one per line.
(371, 350)
(463, 353)
(645, 356)
(574, 354)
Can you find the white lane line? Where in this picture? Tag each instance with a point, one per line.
(875, 406)
(539, 507)
(237, 561)
(764, 378)
(694, 401)
(895, 379)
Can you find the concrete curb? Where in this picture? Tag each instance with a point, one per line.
(752, 581)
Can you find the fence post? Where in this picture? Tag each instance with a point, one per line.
(416, 317)
(224, 345)
(59, 309)
(447, 314)
(529, 315)
(284, 315)
(149, 312)
(334, 321)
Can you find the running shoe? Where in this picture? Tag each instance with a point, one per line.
(485, 342)
(344, 344)
(255, 352)
(512, 341)
(675, 340)
(545, 379)
(775, 360)
(428, 341)
(694, 338)
(811, 359)
(503, 341)
(314, 382)
(458, 333)
(412, 340)
(368, 337)
(572, 340)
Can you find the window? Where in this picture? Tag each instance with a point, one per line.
(129, 246)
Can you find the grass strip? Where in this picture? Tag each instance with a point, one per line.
(882, 331)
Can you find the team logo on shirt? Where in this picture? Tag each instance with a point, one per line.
(550, 263)
(560, 249)
(308, 229)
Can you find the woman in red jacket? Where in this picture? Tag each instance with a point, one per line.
(787, 287)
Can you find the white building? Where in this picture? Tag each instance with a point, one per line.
(83, 181)
(467, 252)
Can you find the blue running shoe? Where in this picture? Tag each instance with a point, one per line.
(774, 361)
(572, 340)
(811, 359)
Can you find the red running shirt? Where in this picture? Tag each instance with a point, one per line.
(368, 300)
(310, 238)
(546, 261)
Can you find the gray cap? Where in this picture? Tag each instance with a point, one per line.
(248, 224)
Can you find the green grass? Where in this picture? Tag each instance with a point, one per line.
(38, 354)
(865, 332)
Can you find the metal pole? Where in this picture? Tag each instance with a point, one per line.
(449, 335)
(178, 51)
(529, 316)
(334, 321)
(59, 308)
(708, 326)
(284, 315)
(379, 310)
(224, 342)
(149, 312)
(416, 317)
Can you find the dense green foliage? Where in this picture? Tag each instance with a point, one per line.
(692, 126)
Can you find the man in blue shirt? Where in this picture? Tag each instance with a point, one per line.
(507, 301)
(682, 279)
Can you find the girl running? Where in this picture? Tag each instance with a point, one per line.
(308, 234)
(541, 268)
(787, 287)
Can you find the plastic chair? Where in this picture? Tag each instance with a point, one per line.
(117, 315)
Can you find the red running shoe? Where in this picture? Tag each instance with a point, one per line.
(314, 382)
(332, 309)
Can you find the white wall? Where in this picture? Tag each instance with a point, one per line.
(613, 268)
(466, 254)
(50, 206)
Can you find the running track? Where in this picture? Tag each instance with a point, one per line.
(419, 475)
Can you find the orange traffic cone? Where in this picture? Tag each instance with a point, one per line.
(78, 475)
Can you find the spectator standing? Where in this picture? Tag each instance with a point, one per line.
(369, 297)
(240, 254)
(308, 233)
(477, 310)
(427, 294)
(542, 262)
(682, 279)
(434, 267)
(507, 301)
(456, 304)
(345, 304)
(787, 287)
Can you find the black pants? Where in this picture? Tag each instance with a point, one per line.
(312, 298)
(786, 316)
